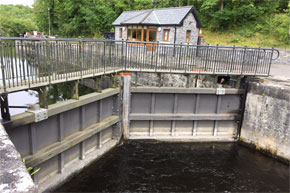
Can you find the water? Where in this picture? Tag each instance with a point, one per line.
(150, 166)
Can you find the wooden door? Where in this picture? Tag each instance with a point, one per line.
(151, 38)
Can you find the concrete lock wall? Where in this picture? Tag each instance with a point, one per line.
(266, 123)
(79, 131)
(75, 134)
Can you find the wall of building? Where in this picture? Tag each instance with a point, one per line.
(189, 23)
(117, 33)
(266, 124)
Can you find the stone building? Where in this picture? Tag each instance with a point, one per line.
(166, 25)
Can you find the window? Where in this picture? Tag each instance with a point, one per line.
(121, 33)
(187, 36)
(166, 35)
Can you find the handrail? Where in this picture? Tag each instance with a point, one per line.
(30, 62)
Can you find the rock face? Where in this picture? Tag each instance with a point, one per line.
(13, 174)
(266, 123)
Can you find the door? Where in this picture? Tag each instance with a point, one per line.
(150, 38)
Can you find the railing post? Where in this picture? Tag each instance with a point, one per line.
(126, 54)
(243, 61)
(2, 64)
(152, 52)
(156, 56)
(257, 61)
(122, 53)
(233, 54)
(48, 61)
(270, 61)
(5, 107)
(80, 56)
(215, 62)
(104, 55)
(179, 59)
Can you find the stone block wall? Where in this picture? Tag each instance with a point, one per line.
(266, 124)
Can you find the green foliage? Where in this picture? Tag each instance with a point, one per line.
(16, 19)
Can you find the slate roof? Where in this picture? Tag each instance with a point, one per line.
(163, 16)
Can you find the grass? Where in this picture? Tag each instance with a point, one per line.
(233, 38)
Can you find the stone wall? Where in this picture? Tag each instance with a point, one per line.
(266, 124)
(14, 176)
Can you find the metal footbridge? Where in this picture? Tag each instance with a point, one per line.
(31, 63)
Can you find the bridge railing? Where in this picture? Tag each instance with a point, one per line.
(27, 63)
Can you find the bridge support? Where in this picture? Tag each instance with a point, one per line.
(4, 107)
(98, 84)
(75, 90)
(42, 97)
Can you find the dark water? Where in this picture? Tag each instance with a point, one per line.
(150, 166)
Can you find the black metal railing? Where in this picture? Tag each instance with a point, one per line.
(27, 63)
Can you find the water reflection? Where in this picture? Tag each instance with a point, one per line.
(22, 98)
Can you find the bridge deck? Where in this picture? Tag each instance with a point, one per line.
(31, 63)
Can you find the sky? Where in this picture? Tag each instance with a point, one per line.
(15, 2)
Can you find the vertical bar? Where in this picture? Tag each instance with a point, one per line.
(152, 110)
(82, 118)
(5, 107)
(60, 163)
(270, 61)
(243, 61)
(173, 123)
(157, 46)
(218, 106)
(2, 65)
(196, 109)
(215, 61)
(257, 63)
(60, 127)
(82, 150)
(32, 138)
(99, 138)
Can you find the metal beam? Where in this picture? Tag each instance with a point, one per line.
(184, 90)
(166, 116)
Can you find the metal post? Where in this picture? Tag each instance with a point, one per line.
(156, 56)
(257, 60)
(126, 54)
(215, 63)
(243, 60)
(80, 57)
(179, 59)
(271, 60)
(5, 107)
(104, 55)
(2, 65)
(48, 61)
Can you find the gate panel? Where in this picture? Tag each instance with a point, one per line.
(184, 113)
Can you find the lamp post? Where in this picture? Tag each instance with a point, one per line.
(48, 22)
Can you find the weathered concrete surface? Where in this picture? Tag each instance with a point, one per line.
(266, 123)
(14, 176)
(126, 98)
